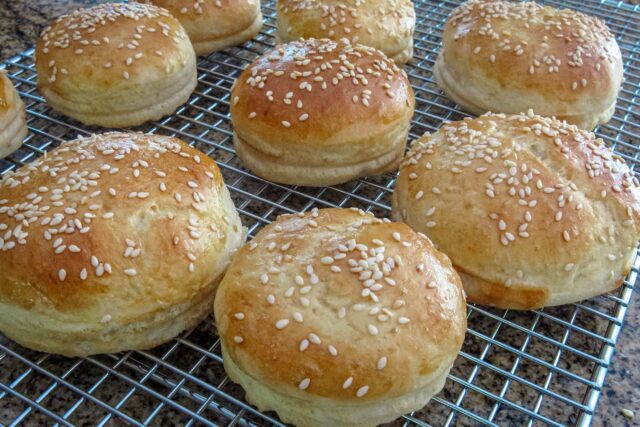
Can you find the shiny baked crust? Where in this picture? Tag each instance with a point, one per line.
(335, 317)
(533, 212)
(13, 126)
(386, 25)
(115, 64)
(319, 112)
(507, 57)
(112, 242)
(215, 24)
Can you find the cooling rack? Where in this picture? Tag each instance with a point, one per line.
(517, 368)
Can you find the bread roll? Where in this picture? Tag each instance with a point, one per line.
(116, 65)
(533, 212)
(507, 57)
(337, 318)
(319, 112)
(386, 25)
(113, 242)
(215, 24)
(13, 125)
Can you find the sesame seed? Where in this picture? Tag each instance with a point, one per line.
(282, 323)
(314, 338)
(130, 272)
(239, 316)
(286, 124)
(362, 391)
(347, 383)
(332, 350)
(238, 339)
(304, 384)
(373, 330)
(382, 362)
(326, 260)
(62, 274)
(304, 344)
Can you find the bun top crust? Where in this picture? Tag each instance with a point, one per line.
(532, 204)
(564, 56)
(383, 24)
(113, 227)
(336, 303)
(203, 19)
(112, 45)
(319, 92)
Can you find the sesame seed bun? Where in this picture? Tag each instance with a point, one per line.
(335, 317)
(215, 24)
(116, 65)
(13, 125)
(507, 57)
(533, 212)
(319, 112)
(113, 242)
(386, 25)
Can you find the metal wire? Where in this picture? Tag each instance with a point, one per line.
(546, 366)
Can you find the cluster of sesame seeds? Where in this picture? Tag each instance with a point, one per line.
(482, 147)
(353, 18)
(557, 28)
(64, 212)
(316, 65)
(371, 262)
(82, 31)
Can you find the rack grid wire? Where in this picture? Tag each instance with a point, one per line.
(518, 368)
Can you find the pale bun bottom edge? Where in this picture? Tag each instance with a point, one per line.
(83, 339)
(456, 92)
(161, 102)
(268, 167)
(205, 47)
(321, 411)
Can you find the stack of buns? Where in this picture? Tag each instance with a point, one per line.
(321, 112)
(116, 64)
(507, 57)
(545, 213)
(215, 24)
(131, 233)
(335, 317)
(386, 25)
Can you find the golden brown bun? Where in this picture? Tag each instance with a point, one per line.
(215, 24)
(507, 57)
(113, 242)
(386, 25)
(533, 212)
(335, 317)
(319, 112)
(116, 65)
(13, 125)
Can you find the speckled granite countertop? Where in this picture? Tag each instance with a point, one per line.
(21, 22)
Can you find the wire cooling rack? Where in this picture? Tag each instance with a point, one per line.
(515, 368)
